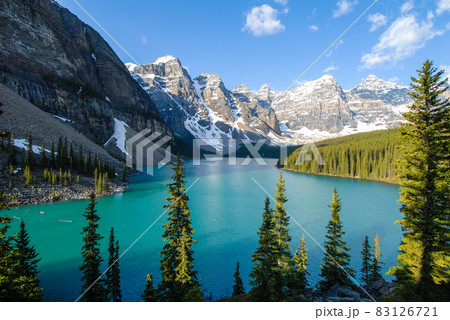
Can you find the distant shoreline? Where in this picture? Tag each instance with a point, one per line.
(344, 177)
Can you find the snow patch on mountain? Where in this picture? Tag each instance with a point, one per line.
(120, 130)
(164, 59)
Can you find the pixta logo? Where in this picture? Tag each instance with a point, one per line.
(146, 150)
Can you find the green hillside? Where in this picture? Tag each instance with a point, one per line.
(370, 155)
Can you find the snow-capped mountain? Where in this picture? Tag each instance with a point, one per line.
(204, 108)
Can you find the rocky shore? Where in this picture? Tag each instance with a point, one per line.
(43, 192)
(381, 290)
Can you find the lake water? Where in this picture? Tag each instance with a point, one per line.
(226, 207)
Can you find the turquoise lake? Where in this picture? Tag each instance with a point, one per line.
(226, 206)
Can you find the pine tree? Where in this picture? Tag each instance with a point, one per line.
(29, 155)
(375, 267)
(27, 176)
(113, 273)
(17, 268)
(91, 257)
(149, 294)
(423, 265)
(26, 267)
(71, 157)
(11, 150)
(100, 184)
(263, 280)
(178, 276)
(43, 161)
(52, 157)
(59, 155)
(195, 295)
(7, 256)
(282, 250)
(65, 154)
(238, 287)
(80, 159)
(300, 272)
(105, 182)
(335, 269)
(366, 258)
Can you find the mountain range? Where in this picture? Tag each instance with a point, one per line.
(203, 107)
(65, 68)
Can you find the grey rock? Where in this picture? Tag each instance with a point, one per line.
(63, 66)
(339, 292)
(203, 107)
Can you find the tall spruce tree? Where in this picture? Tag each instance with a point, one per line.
(335, 268)
(29, 154)
(26, 266)
(238, 287)
(178, 275)
(43, 161)
(60, 153)
(375, 267)
(282, 250)
(423, 270)
(52, 156)
(91, 290)
(11, 150)
(7, 256)
(300, 272)
(366, 258)
(113, 273)
(149, 294)
(263, 277)
(18, 281)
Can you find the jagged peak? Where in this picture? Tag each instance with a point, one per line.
(166, 59)
(264, 88)
(241, 88)
(374, 83)
(328, 78)
(131, 66)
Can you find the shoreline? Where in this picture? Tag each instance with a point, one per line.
(44, 193)
(343, 177)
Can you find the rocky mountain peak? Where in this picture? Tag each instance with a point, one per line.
(242, 89)
(166, 60)
(264, 88)
(327, 78)
(372, 82)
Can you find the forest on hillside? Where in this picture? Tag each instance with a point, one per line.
(371, 155)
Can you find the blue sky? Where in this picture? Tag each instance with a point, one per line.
(274, 41)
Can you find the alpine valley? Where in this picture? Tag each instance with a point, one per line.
(65, 68)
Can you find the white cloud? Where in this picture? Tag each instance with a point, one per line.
(443, 5)
(393, 79)
(263, 20)
(377, 20)
(144, 40)
(330, 68)
(407, 6)
(282, 2)
(344, 7)
(446, 73)
(401, 40)
(313, 28)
